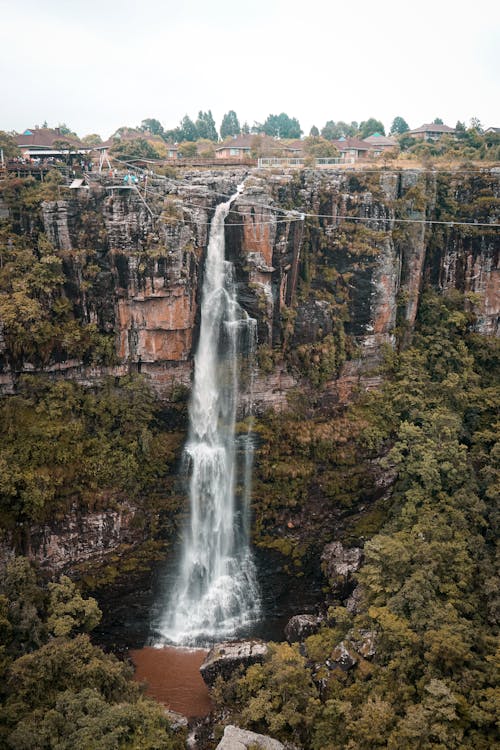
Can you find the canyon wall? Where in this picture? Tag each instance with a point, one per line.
(316, 253)
(332, 265)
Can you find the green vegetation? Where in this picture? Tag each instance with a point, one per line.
(429, 591)
(332, 130)
(137, 148)
(230, 125)
(370, 126)
(64, 445)
(281, 126)
(41, 322)
(399, 126)
(8, 145)
(58, 690)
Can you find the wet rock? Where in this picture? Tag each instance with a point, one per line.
(225, 657)
(339, 563)
(235, 738)
(314, 321)
(80, 538)
(300, 627)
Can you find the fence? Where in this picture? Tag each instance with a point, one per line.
(300, 162)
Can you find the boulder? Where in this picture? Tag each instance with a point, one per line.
(342, 657)
(339, 563)
(176, 720)
(235, 738)
(363, 642)
(300, 627)
(354, 602)
(225, 657)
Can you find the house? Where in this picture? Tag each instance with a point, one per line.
(353, 148)
(294, 148)
(431, 132)
(381, 143)
(50, 143)
(238, 146)
(492, 131)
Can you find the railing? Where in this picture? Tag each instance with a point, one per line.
(301, 161)
(334, 160)
(277, 162)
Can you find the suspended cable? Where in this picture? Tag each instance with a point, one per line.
(302, 215)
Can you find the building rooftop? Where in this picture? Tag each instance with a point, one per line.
(45, 137)
(433, 128)
(376, 139)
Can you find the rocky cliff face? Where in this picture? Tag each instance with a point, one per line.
(331, 265)
(317, 254)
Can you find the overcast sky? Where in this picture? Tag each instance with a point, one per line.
(100, 64)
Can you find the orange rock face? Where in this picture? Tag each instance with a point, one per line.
(156, 328)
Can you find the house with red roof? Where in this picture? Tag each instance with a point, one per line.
(353, 148)
(238, 146)
(44, 143)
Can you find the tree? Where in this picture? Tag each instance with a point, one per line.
(282, 126)
(230, 125)
(139, 148)
(187, 129)
(314, 132)
(278, 696)
(8, 145)
(188, 149)
(245, 128)
(71, 695)
(205, 126)
(205, 148)
(399, 126)
(68, 611)
(92, 139)
(321, 147)
(475, 124)
(406, 141)
(25, 605)
(153, 126)
(65, 130)
(437, 121)
(370, 126)
(174, 135)
(332, 130)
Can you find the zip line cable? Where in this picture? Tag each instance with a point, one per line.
(302, 215)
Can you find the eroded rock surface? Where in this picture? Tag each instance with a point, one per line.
(339, 564)
(235, 738)
(300, 627)
(225, 657)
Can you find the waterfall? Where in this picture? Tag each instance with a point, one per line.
(216, 593)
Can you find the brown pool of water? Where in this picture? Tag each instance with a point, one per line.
(172, 677)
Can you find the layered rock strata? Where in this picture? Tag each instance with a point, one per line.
(316, 253)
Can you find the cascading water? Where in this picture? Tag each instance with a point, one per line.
(216, 592)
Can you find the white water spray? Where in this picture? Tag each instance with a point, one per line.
(216, 592)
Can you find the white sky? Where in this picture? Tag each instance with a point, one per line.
(100, 64)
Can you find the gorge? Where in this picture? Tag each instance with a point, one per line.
(375, 300)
